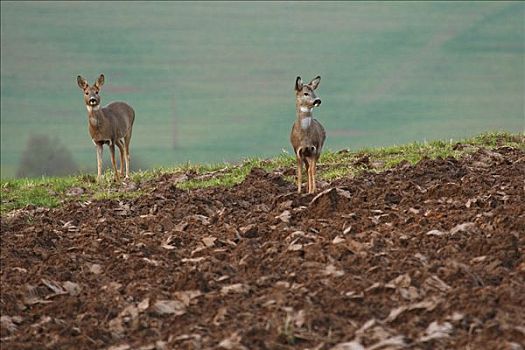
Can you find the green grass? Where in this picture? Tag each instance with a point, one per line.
(216, 78)
(52, 192)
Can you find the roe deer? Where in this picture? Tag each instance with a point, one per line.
(111, 125)
(307, 134)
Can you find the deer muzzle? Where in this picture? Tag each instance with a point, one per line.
(317, 102)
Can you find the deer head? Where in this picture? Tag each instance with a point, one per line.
(91, 93)
(305, 96)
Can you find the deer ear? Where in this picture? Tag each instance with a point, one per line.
(82, 83)
(315, 82)
(100, 81)
(298, 84)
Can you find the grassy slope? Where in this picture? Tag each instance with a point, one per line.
(51, 192)
(226, 70)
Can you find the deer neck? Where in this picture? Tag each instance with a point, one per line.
(95, 116)
(304, 116)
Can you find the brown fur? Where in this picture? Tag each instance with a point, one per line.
(108, 125)
(307, 138)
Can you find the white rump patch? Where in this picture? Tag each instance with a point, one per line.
(305, 123)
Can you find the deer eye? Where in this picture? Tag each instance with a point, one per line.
(87, 93)
(306, 94)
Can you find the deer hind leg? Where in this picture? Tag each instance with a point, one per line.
(310, 171)
(314, 170)
(127, 139)
(99, 160)
(113, 162)
(307, 167)
(123, 157)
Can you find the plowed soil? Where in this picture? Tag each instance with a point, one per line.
(425, 256)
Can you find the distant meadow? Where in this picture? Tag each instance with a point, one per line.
(213, 82)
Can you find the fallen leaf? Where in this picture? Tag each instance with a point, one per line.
(376, 285)
(410, 293)
(31, 296)
(413, 211)
(181, 226)
(219, 316)
(353, 345)
(72, 288)
(234, 288)
(160, 345)
(143, 305)
(428, 305)
(392, 343)
(478, 259)
(233, 342)
(119, 347)
(338, 239)
(54, 286)
(209, 241)
(299, 318)
(435, 283)
(400, 281)
(193, 259)
(168, 247)
(295, 247)
(95, 268)
(19, 269)
(467, 227)
(285, 216)
(187, 296)
(8, 323)
(436, 331)
(204, 220)
(168, 307)
(338, 192)
(249, 231)
(151, 261)
(355, 247)
(331, 270)
(128, 316)
(354, 295)
(435, 233)
(187, 337)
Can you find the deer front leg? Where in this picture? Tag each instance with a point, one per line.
(99, 161)
(310, 167)
(299, 174)
(113, 162)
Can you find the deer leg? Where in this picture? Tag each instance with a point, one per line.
(314, 165)
(310, 167)
(128, 157)
(299, 174)
(113, 162)
(99, 161)
(120, 145)
(307, 175)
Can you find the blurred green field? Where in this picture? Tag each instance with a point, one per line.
(213, 81)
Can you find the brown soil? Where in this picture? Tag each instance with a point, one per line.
(422, 257)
